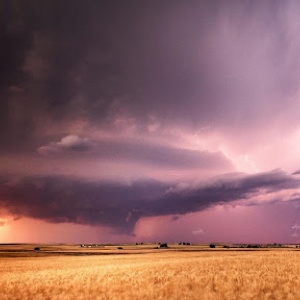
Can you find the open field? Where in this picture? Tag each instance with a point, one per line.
(143, 272)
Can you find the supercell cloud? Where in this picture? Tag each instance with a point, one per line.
(120, 206)
(112, 113)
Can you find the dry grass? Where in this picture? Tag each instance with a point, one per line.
(162, 274)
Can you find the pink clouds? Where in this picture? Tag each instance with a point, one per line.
(225, 224)
(174, 115)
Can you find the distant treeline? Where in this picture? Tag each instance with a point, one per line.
(211, 245)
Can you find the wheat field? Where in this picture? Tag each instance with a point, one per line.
(160, 274)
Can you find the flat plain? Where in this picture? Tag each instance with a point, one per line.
(144, 272)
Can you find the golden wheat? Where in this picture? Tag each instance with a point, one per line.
(161, 275)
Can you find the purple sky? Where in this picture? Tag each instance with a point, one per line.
(129, 121)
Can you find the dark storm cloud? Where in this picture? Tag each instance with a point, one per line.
(138, 151)
(38, 53)
(16, 22)
(189, 62)
(120, 206)
(59, 199)
(47, 52)
(16, 25)
(227, 188)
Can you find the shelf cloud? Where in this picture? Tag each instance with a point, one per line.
(120, 206)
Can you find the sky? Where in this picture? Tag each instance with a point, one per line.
(149, 121)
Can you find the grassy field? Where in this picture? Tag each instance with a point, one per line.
(143, 272)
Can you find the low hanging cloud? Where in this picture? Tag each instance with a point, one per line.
(120, 206)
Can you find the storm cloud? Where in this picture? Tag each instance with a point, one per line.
(112, 111)
(194, 64)
(120, 206)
